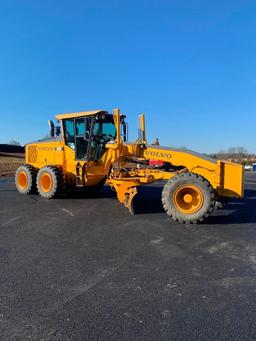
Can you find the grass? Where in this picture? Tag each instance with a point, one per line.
(9, 163)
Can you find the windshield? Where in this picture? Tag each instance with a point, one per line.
(104, 128)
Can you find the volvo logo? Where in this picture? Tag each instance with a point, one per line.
(158, 154)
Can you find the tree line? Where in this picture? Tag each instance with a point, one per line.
(237, 154)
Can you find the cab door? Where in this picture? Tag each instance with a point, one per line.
(82, 129)
(76, 147)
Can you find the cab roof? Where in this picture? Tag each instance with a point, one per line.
(79, 114)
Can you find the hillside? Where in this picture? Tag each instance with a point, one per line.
(10, 159)
(9, 148)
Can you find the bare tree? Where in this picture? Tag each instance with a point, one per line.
(231, 150)
(237, 154)
(242, 151)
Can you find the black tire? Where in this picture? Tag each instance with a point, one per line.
(50, 182)
(198, 188)
(25, 179)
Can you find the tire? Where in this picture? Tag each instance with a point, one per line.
(49, 182)
(25, 179)
(188, 198)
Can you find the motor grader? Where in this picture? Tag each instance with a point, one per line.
(90, 149)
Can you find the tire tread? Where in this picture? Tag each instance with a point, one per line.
(169, 207)
(58, 182)
(32, 172)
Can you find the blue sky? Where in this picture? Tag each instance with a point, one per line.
(189, 65)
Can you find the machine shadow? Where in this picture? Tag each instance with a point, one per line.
(148, 201)
(237, 211)
(105, 192)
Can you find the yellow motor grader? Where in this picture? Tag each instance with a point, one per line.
(90, 149)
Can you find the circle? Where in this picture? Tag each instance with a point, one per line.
(45, 182)
(22, 180)
(188, 199)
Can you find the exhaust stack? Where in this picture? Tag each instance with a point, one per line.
(51, 127)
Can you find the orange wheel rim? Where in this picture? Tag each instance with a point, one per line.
(22, 180)
(45, 182)
(188, 199)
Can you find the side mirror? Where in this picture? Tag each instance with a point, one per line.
(51, 126)
(87, 135)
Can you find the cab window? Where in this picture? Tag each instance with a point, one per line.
(80, 127)
(69, 133)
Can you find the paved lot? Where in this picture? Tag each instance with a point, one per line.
(82, 268)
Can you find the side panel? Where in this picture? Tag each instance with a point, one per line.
(93, 172)
(97, 171)
(44, 153)
(231, 179)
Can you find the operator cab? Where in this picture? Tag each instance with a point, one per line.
(88, 133)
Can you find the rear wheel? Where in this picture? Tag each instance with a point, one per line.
(188, 198)
(49, 182)
(25, 179)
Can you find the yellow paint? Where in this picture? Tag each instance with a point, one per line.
(142, 129)
(78, 114)
(22, 180)
(188, 199)
(226, 178)
(45, 182)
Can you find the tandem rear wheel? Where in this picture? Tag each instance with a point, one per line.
(188, 198)
(50, 182)
(25, 179)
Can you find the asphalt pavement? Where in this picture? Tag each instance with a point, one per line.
(81, 268)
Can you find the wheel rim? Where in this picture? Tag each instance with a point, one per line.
(188, 199)
(45, 182)
(22, 180)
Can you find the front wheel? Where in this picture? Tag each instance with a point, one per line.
(188, 198)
